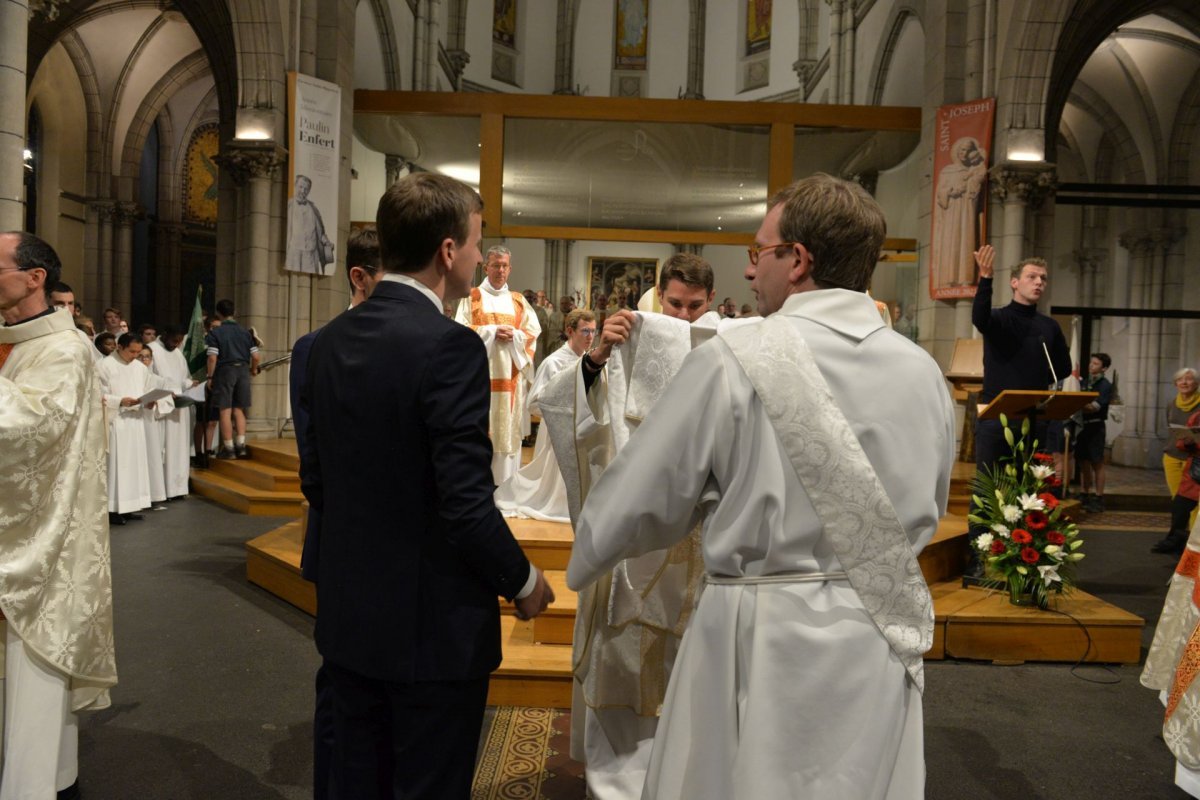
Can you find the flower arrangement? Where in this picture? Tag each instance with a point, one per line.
(1031, 548)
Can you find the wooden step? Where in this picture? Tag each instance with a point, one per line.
(945, 557)
(555, 625)
(546, 544)
(244, 499)
(273, 562)
(531, 674)
(279, 453)
(982, 624)
(257, 474)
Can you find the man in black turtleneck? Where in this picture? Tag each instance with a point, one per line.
(1019, 345)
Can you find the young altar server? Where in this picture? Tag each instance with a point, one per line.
(124, 379)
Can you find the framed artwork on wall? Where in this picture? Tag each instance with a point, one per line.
(619, 281)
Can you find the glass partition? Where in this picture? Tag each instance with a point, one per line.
(635, 175)
(445, 144)
(845, 152)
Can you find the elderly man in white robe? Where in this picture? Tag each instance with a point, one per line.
(123, 381)
(55, 581)
(628, 625)
(509, 329)
(537, 490)
(170, 364)
(800, 674)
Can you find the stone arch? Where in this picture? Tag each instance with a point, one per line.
(1181, 166)
(86, 70)
(898, 18)
(387, 38)
(108, 143)
(1128, 155)
(1145, 99)
(188, 69)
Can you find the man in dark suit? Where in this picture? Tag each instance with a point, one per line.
(412, 549)
(362, 272)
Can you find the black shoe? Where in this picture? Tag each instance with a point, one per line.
(226, 455)
(241, 451)
(133, 517)
(70, 793)
(1173, 543)
(115, 519)
(1097, 504)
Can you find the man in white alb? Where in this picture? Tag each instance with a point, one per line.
(509, 329)
(537, 491)
(628, 625)
(123, 380)
(800, 674)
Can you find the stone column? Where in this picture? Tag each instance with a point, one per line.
(836, 8)
(170, 263)
(396, 168)
(105, 212)
(253, 165)
(1133, 445)
(847, 73)
(124, 215)
(14, 42)
(557, 266)
(1020, 188)
(564, 48)
(697, 13)
(1089, 261)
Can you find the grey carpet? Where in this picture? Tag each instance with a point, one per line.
(215, 689)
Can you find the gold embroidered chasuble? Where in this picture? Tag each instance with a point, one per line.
(55, 581)
(510, 364)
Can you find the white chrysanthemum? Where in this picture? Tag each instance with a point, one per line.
(1049, 574)
(1011, 513)
(984, 541)
(1031, 502)
(1041, 471)
(1001, 530)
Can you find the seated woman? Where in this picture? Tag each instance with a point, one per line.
(1186, 497)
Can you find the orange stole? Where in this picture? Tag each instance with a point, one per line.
(1189, 662)
(481, 317)
(5, 349)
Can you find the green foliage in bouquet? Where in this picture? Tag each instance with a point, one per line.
(1031, 548)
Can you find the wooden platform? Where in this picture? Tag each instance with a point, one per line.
(266, 484)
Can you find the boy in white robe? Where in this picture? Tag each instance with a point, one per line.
(800, 673)
(55, 581)
(629, 624)
(171, 364)
(152, 418)
(537, 490)
(123, 380)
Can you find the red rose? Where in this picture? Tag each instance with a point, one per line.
(997, 547)
(1053, 481)
(1029, 555)
(1045, 458)
(1054, 537)
(1050, 500)
(1021, 536)
(1036, 520)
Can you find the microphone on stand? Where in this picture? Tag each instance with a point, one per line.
(1053, 374)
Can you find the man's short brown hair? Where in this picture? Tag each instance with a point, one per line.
(417, 213)
(688, 268)
(362, 250)
(840, 225)
(577, 316)
(1032, 261)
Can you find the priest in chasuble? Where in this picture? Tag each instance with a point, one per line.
(509, 329)
(800, 672)
(55, 581)
(629, 623)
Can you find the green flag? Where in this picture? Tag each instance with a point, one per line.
(193, 349)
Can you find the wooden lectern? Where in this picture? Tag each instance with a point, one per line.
(1022, 403)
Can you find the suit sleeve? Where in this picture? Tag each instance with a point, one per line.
(455, 400)
(1060, 354)
(306, 434)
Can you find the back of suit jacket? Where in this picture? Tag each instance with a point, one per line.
(412, 549)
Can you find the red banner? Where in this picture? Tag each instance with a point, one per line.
(960, 162)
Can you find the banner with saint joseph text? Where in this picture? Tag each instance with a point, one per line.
(962, 143)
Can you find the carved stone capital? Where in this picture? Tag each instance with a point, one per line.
(47, 8)
(458, 60)
(246, 160)
(1031, 184)
(1090, 259)
(804, 69)
(1137, 241)
(1164, 238)
(125, 214)
(105, 209)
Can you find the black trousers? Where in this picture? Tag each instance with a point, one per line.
(403, 741)
(1181, 511)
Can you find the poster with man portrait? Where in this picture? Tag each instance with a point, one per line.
(313, 165)
(962, 145)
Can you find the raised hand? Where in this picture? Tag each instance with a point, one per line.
(617, 329)
(985, 258)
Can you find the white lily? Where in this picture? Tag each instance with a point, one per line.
(1054, 551)
(1041, 471)
(1011, 513)
(1031, 502)
(1049, 574)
